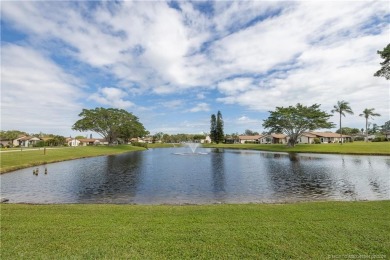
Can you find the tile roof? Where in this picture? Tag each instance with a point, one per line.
(249, 137)
(327, 134)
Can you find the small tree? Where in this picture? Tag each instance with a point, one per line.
(219, 129)
(342, 107)
(294, 121)
(385, 70)
(368, 113)
(213, 128)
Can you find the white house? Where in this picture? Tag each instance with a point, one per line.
(273, 139)
(324, 137)
(249, 139)
(27, 141)
(207, 140)
(72, 141)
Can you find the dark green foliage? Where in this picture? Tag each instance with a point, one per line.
(111, 123)
(219, 135)
(385, 70)
(316, 140)
(138, 144)
(293, 121)
(380, 139)
(250, 132)
(348, 131)
(213, 128)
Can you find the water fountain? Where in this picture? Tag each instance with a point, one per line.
(193, 147)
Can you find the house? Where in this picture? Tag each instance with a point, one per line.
(324, 137)
(5, 142)
(249, 139)
(327, 137)
(26, 141)
(273, 139)
(207, 140)
(92, 141)
(72, 141)
(307, 138)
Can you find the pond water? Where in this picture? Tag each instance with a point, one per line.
(175, 176)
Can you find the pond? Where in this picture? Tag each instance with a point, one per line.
(176, 176)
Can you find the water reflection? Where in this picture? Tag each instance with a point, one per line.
(117, 180)
(229, 176)
(218, 174)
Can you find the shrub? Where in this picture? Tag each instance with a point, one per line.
(316, 141)
(144, 145)
(379, 139)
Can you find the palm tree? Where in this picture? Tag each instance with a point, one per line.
(367, 113)
(342, 107)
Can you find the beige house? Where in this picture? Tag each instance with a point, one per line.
(249, 139)
(274, 139)
(324, 137)
(26, 141)
(91, 141)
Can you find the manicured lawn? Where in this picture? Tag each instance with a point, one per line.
(373, 148)
(29, 157)
(315, 230)
(163, 145)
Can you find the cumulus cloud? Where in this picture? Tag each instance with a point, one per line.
(200, 107)
(112, 97)
(36, 94)
(253, 54)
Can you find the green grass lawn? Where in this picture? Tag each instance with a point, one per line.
(163, 145)
(370, 148)
(29, 157)
(314, 230)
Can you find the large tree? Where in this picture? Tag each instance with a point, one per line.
(213, 128)
(219, 129)
(367, 114)
(110, 123)
(342, 107)
(294, 121)
(385, 70)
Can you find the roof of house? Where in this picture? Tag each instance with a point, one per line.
(309, 135)
(249, 137)
(326, 134)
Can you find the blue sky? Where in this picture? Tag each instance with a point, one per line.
(175, 63)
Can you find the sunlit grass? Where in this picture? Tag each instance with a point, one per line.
(370, 148)
(315, 230)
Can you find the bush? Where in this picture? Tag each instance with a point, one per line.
(144, 145)
(379, 139)
(316, 141)
(359, 138)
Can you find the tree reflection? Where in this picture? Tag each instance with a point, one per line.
(117, 182)
(218, 173)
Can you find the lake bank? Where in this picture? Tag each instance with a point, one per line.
(15, 160)
(314, 230)
(355, 148)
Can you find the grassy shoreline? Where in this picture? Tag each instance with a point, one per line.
(309, 230)
(14, 160)
(356, 148)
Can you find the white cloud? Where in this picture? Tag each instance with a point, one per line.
(36, 94)
(112, 97)
(200, 107)
(173, 104)
(256, 54)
